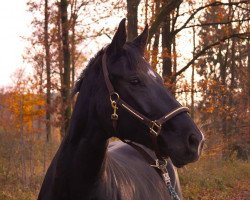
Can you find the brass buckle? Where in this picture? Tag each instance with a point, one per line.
(155, 128)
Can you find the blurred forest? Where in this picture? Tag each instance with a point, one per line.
(212, 79)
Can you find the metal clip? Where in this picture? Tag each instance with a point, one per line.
(114, 116)
(155, 128)
(160, 165)
(114, 97)
(166, 178)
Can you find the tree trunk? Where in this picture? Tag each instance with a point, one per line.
(174, 52)
(223, 76)
(48, 76)
(66, 66)
(166, 50)
(132, 11)
(192, 78)
(73, 55)
(73, 41)
(146, 11)
(155, 50)
(22, 143)
(248, 67)
(166, 9)
(60, 64)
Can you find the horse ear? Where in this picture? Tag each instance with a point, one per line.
(141, 40)
(119, 38)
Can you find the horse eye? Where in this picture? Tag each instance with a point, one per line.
(134, 81)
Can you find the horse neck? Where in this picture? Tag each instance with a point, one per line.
(85, 145)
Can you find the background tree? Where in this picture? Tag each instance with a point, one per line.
(132, 12)
(48, 76)
(66, 65)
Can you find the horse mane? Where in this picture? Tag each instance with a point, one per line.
(92, 62)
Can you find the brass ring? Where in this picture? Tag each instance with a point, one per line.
(114, 97)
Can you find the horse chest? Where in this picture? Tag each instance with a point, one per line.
(128, 177)
(130, 189)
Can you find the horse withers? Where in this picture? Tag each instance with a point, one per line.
(121, 96)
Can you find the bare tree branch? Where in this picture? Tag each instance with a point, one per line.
(175, 18)
(246, 9)
(165, 10)
(203, 51)
(216, 3)
(216, 23)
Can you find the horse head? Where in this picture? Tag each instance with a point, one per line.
(133, 80)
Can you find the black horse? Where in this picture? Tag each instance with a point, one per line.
(85, 167)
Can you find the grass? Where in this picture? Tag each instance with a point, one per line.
(217, 179)
(208, 179)
(22, 167)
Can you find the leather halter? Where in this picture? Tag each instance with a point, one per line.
(154, 125)
(154, 128)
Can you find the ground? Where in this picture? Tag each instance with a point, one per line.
(216, 179)
(211, 178)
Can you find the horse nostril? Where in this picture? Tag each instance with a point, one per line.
(202, 144)
(193, 142)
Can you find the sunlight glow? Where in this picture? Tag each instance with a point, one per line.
(14, 21)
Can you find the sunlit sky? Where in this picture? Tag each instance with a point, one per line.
(14, 22)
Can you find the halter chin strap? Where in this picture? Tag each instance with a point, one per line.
(154, 125)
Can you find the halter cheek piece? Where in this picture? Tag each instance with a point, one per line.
(154, 127)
